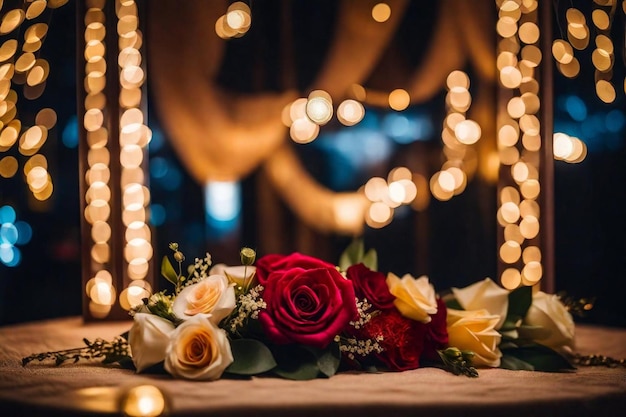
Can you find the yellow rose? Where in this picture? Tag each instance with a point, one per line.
(198, 349)
(415, 298)
(213, 295)
(486, 295)
(475, 330)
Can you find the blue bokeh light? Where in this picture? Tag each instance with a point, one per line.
(615, 121)
(7, 214)
(69, 136)
(157, 214)
(24, 232)
(8, 233)
(159, 167)
(576, 108)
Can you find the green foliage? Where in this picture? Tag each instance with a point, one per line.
(520, 300)
(300, 362)
(534, 357)
(355, 254)
(251, 357)
(167, 270)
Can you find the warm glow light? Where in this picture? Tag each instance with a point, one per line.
(399, 99)
(519, 171)
(532, 272)
(143, 401)
(375, 189)
(510, 278)
(319, 107)
(350, 112)
(467, 132)
(510, 252)
(446, 181)
(510, 212)
(530, 189)
(562, 145)
(381, 12)
(531, 254)
(457, 79)
(380, 213)
(515, 107)
(529, 227)
(303, 130)
(510, 77)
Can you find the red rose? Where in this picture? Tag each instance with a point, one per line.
(274, 262)
(436, 332)
(403, 339)
(371, 285)
(306, 306)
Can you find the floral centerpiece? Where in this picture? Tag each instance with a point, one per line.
(299, 317)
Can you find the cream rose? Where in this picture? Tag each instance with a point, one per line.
(475, 330)
(198, 349)
(213, 295)
(148, 338)
(486, 295)
(415, 298)
(547, 312)
(240, 274)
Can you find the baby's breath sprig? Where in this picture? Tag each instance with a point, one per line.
(365, 314)
(352, 346)
(249, 305)
(116, 350)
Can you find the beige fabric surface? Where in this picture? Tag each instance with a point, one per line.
(93, 389)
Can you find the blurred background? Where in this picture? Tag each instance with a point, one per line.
(453, 240)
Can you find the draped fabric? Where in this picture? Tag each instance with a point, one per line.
(223, 135)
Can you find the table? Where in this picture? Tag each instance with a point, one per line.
(92, 389)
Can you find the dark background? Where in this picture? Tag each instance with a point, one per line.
(589, 210)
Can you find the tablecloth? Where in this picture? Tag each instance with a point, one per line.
(94, 389)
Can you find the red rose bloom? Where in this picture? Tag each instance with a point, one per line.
(306, 306)
(371, 285)
(436, 337)
(275, 262)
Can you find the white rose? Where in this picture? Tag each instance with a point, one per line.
(198, 349)
(415, 298)
(486, 295)
(548, 312)
(475, 330)
(213, 295)
(148, 338)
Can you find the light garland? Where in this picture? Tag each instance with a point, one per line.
(519, 143)
(116, 196)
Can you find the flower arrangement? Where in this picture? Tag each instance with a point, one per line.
(299, 317)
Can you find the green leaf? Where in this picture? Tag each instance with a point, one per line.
(452, 303)
(167, 270)
(251, 357)
(352, 255)
(520, 300)
(515, 364)
(328, 359)
(370, 260)
(296, 362)
(540, 357)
